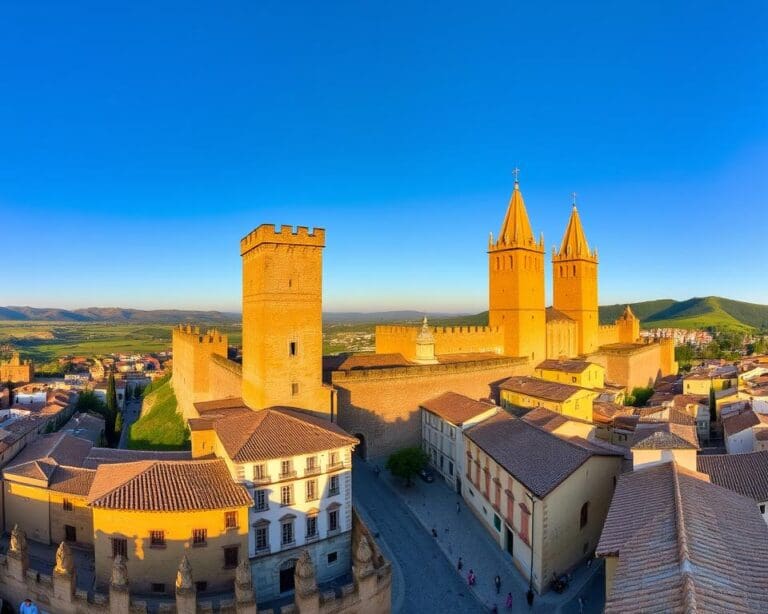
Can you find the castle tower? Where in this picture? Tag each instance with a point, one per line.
(282, 318)
(516, 283)
(629, 327)
(574, 283)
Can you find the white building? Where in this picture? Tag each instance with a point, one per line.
(298, 469)
(741, 431)
(443, 420)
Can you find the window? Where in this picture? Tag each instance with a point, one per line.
(230, 520)
(292, 348)
(333, 459)
(199, 537)
(333, 486)
(67, 505)
(157, 539)
(287, 533)
(762, 508)
(158, 587)
(497, 522)
(332, 557)
(294, 389)
(450, 468)
(312, 465)
(573, 379)
(120, 546)
(333, 520)
(312, 526)
(201, 586)
(525, 516)
(231, 556)
(311, 490)
(286, 495)
(286, 469)
(584, 518)
(259, 472)
(262, 537)
(261, 500)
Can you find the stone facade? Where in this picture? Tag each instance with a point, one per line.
(16, 371)
(192, 352)
(381, 406)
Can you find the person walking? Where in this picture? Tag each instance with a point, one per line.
(471, 578)
(458, 507)
(508, 602)
(497, 582)
(460, 564)
(434, 532)
(27, 607)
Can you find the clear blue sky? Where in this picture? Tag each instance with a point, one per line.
(138, 143)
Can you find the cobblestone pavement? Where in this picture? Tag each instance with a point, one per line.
(462, 535)
(423, 581)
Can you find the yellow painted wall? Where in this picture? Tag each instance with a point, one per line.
(694, 385)
(192, 350)
(562, 339)
(147, 565)
(577, 406)
(27, 505)
(644, 458)
(282, 304)
(574, 290)
(592, 377)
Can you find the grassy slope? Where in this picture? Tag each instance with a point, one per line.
(160, 426)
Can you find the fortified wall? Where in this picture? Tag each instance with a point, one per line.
(16, 371)
(192, 352)
(636, 364)
(448, 340)
(57, 593)
(381, 406)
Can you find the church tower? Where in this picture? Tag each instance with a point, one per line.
(574, 283)
(516, 283)
(282, 318)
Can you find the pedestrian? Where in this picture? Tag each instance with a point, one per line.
(27, 607)
(581, 605)
(460, 564)
(471, 579)
(508, 602)
(458, 507)
(497, 582)
(434, 532)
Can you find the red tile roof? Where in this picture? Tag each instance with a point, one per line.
(171, 486)
(456, 408)
(565, 366)
(539, 388)
(746, 474)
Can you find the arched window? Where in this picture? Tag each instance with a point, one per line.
(584, 515)
(561, 270)
(511, 264)
(574, 270)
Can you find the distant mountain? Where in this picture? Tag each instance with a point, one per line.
(116, 315)
(377, 317)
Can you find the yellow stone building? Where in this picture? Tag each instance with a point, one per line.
(575, 372)
(565, 399)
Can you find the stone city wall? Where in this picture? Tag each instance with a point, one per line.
(448, 340)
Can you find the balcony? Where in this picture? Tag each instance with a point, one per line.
(336, 466)
(263, 550)
(288, 545)
(311, 538)
(264, 479)
(312, 470)
(332, 492)
(288, 475)
(261, 508)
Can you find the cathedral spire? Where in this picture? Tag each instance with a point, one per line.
(516, 229)
(574, 243)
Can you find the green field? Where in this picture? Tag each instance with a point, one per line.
(44, 342)
(160, 426)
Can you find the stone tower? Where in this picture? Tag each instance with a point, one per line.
(516, 283)
(282, 318)
(574, 283)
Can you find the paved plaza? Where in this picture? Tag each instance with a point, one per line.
(460, 534)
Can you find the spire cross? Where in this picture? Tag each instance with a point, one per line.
(573, 196)
(516, 174)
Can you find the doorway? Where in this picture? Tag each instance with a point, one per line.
(287, 571)
(70, 533)
(361, 449)
(510, 541)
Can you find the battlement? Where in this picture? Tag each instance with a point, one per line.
(282, 235)
(437, 330)
(194, 335)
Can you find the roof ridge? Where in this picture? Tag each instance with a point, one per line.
(120, 484)
(543, 430)
(686, 565)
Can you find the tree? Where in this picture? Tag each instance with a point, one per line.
(406, 463)
(118, 425)
(712, 408)
(638, 397)
(112, 395)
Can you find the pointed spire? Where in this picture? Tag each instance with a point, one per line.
(516, 229)
(574, 243)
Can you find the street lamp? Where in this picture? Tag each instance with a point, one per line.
(529, 595)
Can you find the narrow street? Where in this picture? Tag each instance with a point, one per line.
(131, 413)
(422, 579)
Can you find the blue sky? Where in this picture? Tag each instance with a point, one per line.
(139, 142)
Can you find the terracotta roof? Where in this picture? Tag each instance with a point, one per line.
(664, 414)
(684, 545)
(744, 420)
(566, 366)
(747, 474)
(526, 451)
(58, 448)
(277, 433)
(549, 420)
(104, 456)
(606, 412)
(72, 480)
(664, 436)
(456, 408)
(366, 361)
(554, 315)
(220, 405)
(539, 388)
(157, 486)
(681, 401)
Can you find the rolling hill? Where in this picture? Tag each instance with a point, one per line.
(115, 315)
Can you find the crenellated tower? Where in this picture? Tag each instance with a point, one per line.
(282, 318)
(574, 283)
(516, 283)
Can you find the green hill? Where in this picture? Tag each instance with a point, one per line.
(701, 313)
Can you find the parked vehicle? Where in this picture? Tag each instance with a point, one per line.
(426, 475)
